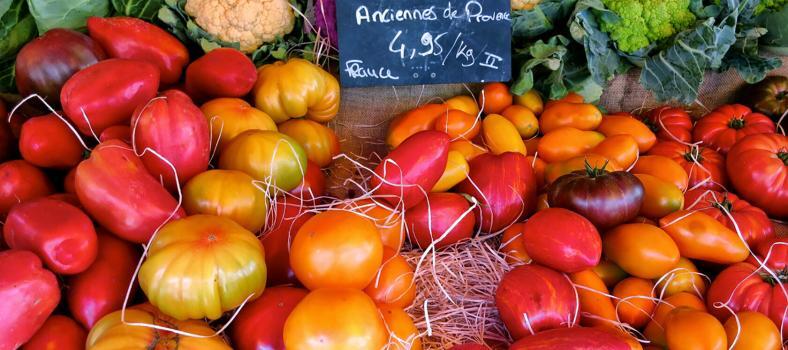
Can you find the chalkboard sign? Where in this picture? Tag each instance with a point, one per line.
(413, 42)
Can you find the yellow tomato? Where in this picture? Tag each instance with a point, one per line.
(700, 236)
(641, 250)
(267, 156)
(468, 149)
(501, 136)
(320, 142)
(403, 334)
(296, 88)
(456, 170)
(523, 119)
(660, 198)
(463, 103)
(231, 116)
(227, 193)
(531, 100)
(683, 278)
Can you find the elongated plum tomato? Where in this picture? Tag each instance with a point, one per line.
(523, 119)
(135, 39)
(456, 170)
(47, 141)
(663, 168)
(567, 142)
(58, 332)
(700, 237)
(660, 197)
(752, 330)
(578, 338)
(512, 245)
(596, 307)
(393, 285)
(629, 245)
(222, 72)
(288, 217)
(634, 301)
(753, 222)
(412, 169)
(403, 334)
(261, 323)
(622, 149)
(463, 103)
(442, 219)
(335, 318)
(626, 124)
(319, 141)
(228, 193)
(267, 156)
(458, 124)
(58, 232)
(229, 117)
(669, 123)
(85, 94)
(686, 328)
(419, 119)
(19, 182)
(562, 240)
(501, 136)
(336, 249)
(532, 298)
(583, 116)
(113, 182)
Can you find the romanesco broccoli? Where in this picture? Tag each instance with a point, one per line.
(645, 21)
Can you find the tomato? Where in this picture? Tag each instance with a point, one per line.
(512, 245)
(47, 141)
(655, 329)
(669, 123)
(663, 168)
(626, 124)
(113, 332)
(287, 218)
(58, 232)
(523, 120)
(753, 223)
(228, 117)
(320, 142)
(539, 168)
(177, 130)
(456, 171)
(688, 329)
(387, 220)
(727, 124)
(571, 97)
(607, 199)
(501, 136)
(609, 272)
(443, 219)
(28, 294)
(582, 116)
(227, 193)
(752, 330)
(705, 167)
(7, 138)
(577, 249)
(268, 156)
(58, 332)
(412, 169)
(532, 145)
(532, 298)
(532, 100)
(566, 142)
(758, 167)
(553, 171)
(578, 338)
(463, 103)
(596, 307)
(337, 319)
(116, 132)
(634, 301)
(336, 249)
(621, 149)
(222, 72)
(296, 88)
(261, 322)
(201, 266)
(505, 187)
(700, 237)
(313, 186)
(393, 285)
(468, 149)
(403, 334)
(101, 288)
(494, 98)
(767, 96)
(112, 184)
(458, 124)
(19, 182)
(660, 198)
(641, 250)
(130, 83)
(683, 278)
(413, 121)
(776, 249)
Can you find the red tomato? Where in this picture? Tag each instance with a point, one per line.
(47, 141)
(701, 164)
(758, 167)
(28, 294)
(753, 223)
(58, 332)
(412, 169)
(577, 248)
(121, 195)
(532, 298)
(68, 182)
(116, 132)
(313, 185)
(19, 182)
(727, 124)
(177, 130)
(286, 220)
(222, 72)
(7, 138)
(260, 324)
(129, 83)
(430, 220)
(572, 338)
(101, 288)
(58, 232)
(135, 39)
(773, 252)
(669, 123)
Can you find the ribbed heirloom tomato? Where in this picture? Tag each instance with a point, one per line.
(320, 142)
(268, 156)
(229, 117)
(228, 193)
(752, 222)
(669, 123)
(296, 88)
(413, 121)
(727, 124)
(703, 165)
(758, 167)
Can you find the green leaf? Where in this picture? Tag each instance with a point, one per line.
(66, 13)
(776, 39)
(547, 15)
(145, 9)
(604, 61)
(7, 71)
(752, 68)
(4, 6)
(16, 28)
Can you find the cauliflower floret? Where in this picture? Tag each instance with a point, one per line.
(524, 4)
(249, 22)
(645, 21)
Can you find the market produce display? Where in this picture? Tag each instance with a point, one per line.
(171, 178)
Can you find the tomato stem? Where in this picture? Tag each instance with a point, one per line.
(594, 171)
(736, 123)
(694, 155)
(783, 156)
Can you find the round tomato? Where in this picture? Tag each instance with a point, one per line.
(727, 124)
(495, 97)
(261, 323)
(19, 182)
(689, 329)
(663, 168)
(268, 156)
(655, 329)
(48, 142)
(758, 167)
(228, 117)
(626, 124)
(287, 217)
(577, 249)
(634, 301)
(566, 142)
(553, 171)
(439, 220)
(583, 116)
(403, 334)
(682, 278)
(669, 123)
(393, 285)
(660, 198)
(320, 142)
(58, 332)
(752, 330)
(523, 119)
(458, 124)
(313, 186)
(705, 167)
(641, 250)
(753, 223)
(228, 193)
(387, 220)
(501, 136)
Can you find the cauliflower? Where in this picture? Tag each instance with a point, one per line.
(524, 4)
(248, 22)
(643, 22)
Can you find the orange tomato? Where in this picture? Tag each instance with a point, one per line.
(701, 237)
(512, 245)
(337, 249)
(229, 117)
(418, 119)
(539, 168)
(582, 116)
(571, 97)
(641, 250)
(319, 141)
(634, 305)
(523, 119)
(683, 278)
(689, 329)
(463, 103)
(468, 149)
(609, 272)
(621, 149)
(595, 306)
(660, 198)
(626, 124)
(393, 285)
(566, 142)
(456, 170)
(403, 334)
(531, 145)
(494, 98)
(531, 100)
(387, 220)
(553, 171)
(753, 331)
(655, 329)
(458, 124)
(541, 202)
(501, 136)
(335, 319)
(228, 193)
(663, 168)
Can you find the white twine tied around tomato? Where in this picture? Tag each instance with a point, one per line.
(63, 119)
